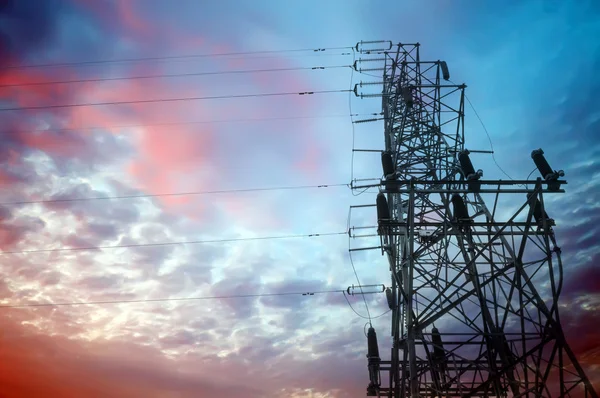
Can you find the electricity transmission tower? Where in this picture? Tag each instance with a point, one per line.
(474, 288)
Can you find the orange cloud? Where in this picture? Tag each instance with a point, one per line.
(36, 365)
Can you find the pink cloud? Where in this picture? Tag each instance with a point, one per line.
(254, 213)
(36, 365)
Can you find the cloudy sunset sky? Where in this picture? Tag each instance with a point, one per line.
(531, 68)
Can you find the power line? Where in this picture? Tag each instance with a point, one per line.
(488, 136)
(529, 175)
(351, 181)
(84, 199)
(358, 281)
(200, 298)
(179, 99)
(245, 120)
(359, 314)
(189, 242)
(233, 296)
(354, 270)
(171, 57)
(168, 75)
(352, 120)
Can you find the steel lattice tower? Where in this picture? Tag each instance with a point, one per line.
(474, 290)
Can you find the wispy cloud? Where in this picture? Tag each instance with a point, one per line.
(305, 346)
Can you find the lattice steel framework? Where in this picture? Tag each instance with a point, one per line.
(474, 291)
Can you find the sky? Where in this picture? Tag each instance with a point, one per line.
(530, 68)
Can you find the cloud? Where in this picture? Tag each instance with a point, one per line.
(291, 302)
(66, 368)
(27, 27)
(583, 280)
(580, 326)
(284, 346)
(13, 231)
(80, 365)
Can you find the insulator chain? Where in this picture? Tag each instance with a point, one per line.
(361, 289)
(359, 46)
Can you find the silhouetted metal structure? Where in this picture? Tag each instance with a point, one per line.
(474, 290)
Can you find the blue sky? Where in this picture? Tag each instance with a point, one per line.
(530, 71)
